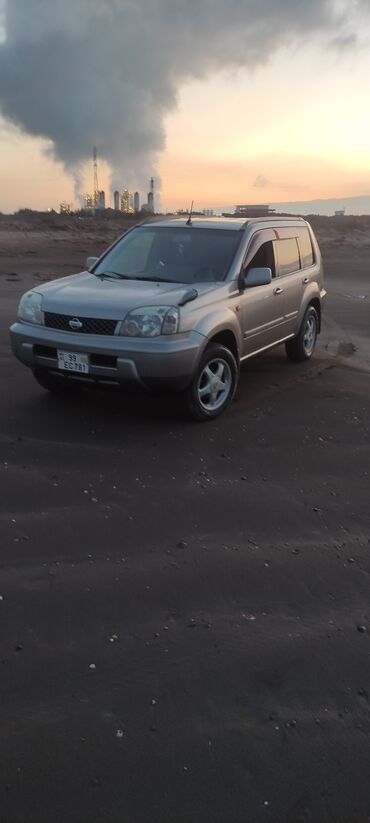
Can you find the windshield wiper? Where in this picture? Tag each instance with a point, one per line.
(155, 279)
(115, 275)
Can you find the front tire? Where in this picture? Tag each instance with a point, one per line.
(214, 384)
(302, 346)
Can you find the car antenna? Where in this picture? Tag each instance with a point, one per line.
(188, 222)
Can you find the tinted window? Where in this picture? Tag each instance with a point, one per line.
(264, 258)
(305, 246)
(287, 256)
(179, 255)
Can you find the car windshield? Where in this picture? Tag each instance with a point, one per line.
(174, 255)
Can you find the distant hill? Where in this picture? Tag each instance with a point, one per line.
(352, 205)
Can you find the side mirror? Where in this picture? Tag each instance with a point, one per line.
(90, 262)
(257, 277)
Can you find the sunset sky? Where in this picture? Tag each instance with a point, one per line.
(297, 128)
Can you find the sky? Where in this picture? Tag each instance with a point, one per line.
(292, 124)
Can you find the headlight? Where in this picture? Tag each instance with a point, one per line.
(30, 308)
(151, 321)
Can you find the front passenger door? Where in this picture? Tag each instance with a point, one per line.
(262, 307)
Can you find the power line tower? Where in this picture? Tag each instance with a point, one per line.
(96, 181)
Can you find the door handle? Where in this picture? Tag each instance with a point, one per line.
(305, 281)
(278, 291)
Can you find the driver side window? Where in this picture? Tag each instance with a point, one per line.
(264, 258)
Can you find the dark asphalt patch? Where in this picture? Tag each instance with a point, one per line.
(231, 562)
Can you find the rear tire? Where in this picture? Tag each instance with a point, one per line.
(54, 384)
(214, 384)
(302, 346)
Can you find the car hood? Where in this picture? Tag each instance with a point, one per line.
(86, 295)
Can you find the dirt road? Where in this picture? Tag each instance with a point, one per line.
(185, 608)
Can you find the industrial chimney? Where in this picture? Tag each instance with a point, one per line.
(151, 196)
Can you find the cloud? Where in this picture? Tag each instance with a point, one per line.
(107, 72)
(260, 182)
(345, 42)
(2, 21)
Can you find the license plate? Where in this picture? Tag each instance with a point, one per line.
(70, 361)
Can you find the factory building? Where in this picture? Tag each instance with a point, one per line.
(253, 210)
(151, 202)
(95, 201)
(125, 201)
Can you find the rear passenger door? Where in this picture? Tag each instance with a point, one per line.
(288, 275)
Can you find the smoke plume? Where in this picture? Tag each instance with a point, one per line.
(105, 73)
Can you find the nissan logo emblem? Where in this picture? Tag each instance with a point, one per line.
(75, 324)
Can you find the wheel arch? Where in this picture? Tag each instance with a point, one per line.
(315, 302)
(310, 298)
(226, 337)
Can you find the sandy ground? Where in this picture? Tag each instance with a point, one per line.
(228, 564)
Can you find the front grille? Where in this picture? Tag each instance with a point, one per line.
(90, 325)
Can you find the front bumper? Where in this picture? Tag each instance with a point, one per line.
(164, 361)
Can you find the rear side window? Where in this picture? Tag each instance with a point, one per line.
(305, 245)
(287, 253)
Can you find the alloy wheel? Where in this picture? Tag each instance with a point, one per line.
(214, 385)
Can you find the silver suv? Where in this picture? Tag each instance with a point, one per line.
(177, 304)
